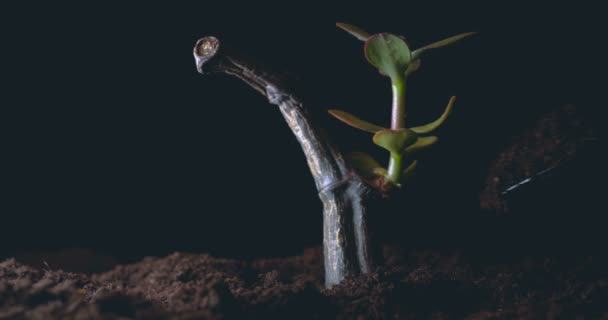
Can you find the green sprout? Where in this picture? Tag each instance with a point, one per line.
(393, 58)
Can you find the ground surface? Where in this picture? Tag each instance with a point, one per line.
(546, 259)
(423, 285)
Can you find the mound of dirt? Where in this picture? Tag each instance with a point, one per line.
(420, 285)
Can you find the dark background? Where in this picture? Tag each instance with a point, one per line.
(112, 141)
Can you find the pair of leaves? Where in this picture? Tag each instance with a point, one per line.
(359, 123)
(371, 170)
(402, 141)
(390, 53)
(387, 52)
(395, 141)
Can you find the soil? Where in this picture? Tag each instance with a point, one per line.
(558, 139)
(412, 284)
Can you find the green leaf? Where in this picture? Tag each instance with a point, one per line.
(413, 67)
(409, 170)
(365, 165)
(421, 143)
(354, 121)
(353, 30)
(430, 127)
(416, 53)
(389, 53)
(380, 172)
(395, 141)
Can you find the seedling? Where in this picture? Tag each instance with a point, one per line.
(347, 189)
(391, 55)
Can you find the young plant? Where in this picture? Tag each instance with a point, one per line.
(347, 189)
(393, 58)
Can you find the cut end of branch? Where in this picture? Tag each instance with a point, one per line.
(205, 49)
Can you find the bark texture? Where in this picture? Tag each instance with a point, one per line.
(343, 193)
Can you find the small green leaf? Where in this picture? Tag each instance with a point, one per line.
(430, 127)
(413, 67)
(389, 53)
(416, 53)
(364, 164)
(380, 172)
(409, 170)
(354, 121)
(353, 30)
(421, 143)
(395, 141)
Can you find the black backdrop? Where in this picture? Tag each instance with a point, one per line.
(112, 141)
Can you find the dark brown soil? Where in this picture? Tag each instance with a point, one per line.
(416, 285)
(557, 139)
(566, 279)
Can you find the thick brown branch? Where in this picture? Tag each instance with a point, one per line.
(345, 240)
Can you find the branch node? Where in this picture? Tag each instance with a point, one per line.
(337, 184)
(275, 95)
